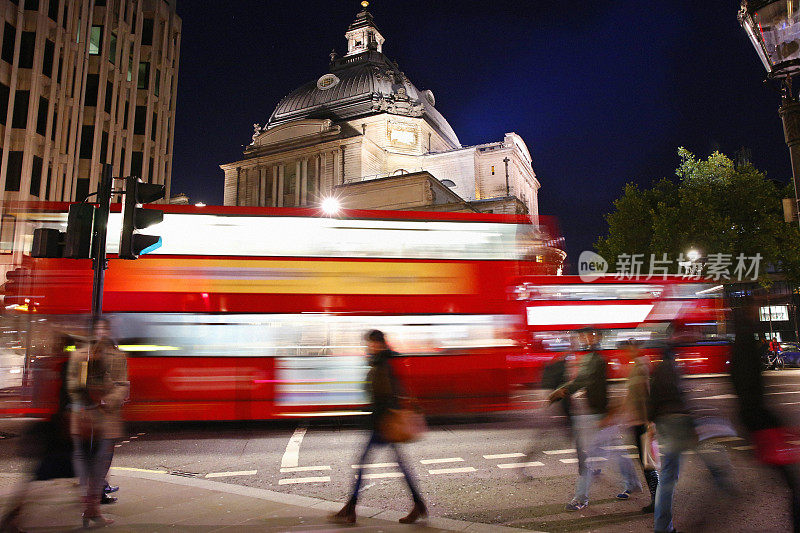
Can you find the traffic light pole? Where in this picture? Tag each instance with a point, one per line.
(99, 240)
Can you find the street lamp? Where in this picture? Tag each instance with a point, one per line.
(331, 206)
(773, 28)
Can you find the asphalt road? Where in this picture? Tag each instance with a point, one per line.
(467, 468)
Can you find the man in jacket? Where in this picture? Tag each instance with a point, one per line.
(591, 433)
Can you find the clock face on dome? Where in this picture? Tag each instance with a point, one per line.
(327, 81)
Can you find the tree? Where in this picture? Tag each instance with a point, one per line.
(715, 206)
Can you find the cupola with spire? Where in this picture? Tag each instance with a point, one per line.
(363, 34)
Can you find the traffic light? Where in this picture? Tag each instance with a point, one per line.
(78, 241)
(132, 244)
(47, 242)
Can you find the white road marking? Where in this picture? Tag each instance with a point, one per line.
(620, 447)
(303, 468)
(322, 479)
(790, 403)
(374, 465)
(452, 470)
(631, 455)
(751, 447)
(719, 397)
(380, 475)
(521, 465)
(236, 473)
(140, 433)
(118, 446)
(503, 455)
(291, 457)
(559, 452)
(783, 392)
(728, 439)
(446, 460)
(572, 460)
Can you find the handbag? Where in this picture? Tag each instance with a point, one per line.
(651, 458)
(402, 425)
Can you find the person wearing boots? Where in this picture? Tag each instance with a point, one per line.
(634, 408)
(384, 392)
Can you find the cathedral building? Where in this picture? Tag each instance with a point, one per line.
(365, 134)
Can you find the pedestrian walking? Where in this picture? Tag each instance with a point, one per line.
(555, 375)
(48, 441)
(769, 432)
(675, 426)
(633, 409)
(97, 383)
(112, 407)
(595, 434)
(384, 392)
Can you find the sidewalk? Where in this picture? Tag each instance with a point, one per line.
(156, 501)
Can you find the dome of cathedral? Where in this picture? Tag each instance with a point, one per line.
(363, 82)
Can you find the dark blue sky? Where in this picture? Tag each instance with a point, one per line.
(603, 92)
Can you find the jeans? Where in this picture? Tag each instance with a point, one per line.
(376, 440)
(91, 460)
(667, 479)
(590, 441)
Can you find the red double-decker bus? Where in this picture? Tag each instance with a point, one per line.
(257, 313)
(551, 308)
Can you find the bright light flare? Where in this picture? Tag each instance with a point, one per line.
(331, 206)
(693, 255)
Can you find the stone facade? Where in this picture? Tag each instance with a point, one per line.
(364, 122)
(82, 83)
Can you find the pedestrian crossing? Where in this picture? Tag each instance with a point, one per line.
(467, 464)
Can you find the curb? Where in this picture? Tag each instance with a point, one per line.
(305, 501)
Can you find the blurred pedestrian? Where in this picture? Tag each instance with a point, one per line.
(97, 382)
(384, 393)
(772, 440)
(555, 375)
(593, 430)
(675, 426)
(48, 441)
(634, 410)
(112, 404)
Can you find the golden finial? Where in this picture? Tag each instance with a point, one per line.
(364, 4)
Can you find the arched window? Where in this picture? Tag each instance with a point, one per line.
(449, 183)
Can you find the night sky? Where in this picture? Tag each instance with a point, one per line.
(602, 92)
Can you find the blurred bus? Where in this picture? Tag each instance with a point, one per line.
(551, 308)
(258, 313)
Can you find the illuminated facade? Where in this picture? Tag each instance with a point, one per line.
(82, 83)
(363, 122)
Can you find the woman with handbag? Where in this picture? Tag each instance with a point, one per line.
(634, 407)
(388, 423)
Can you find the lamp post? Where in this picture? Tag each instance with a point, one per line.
(773, 28)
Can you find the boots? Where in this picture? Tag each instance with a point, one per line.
(418, 511)
(347, 515)
(651, 476)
